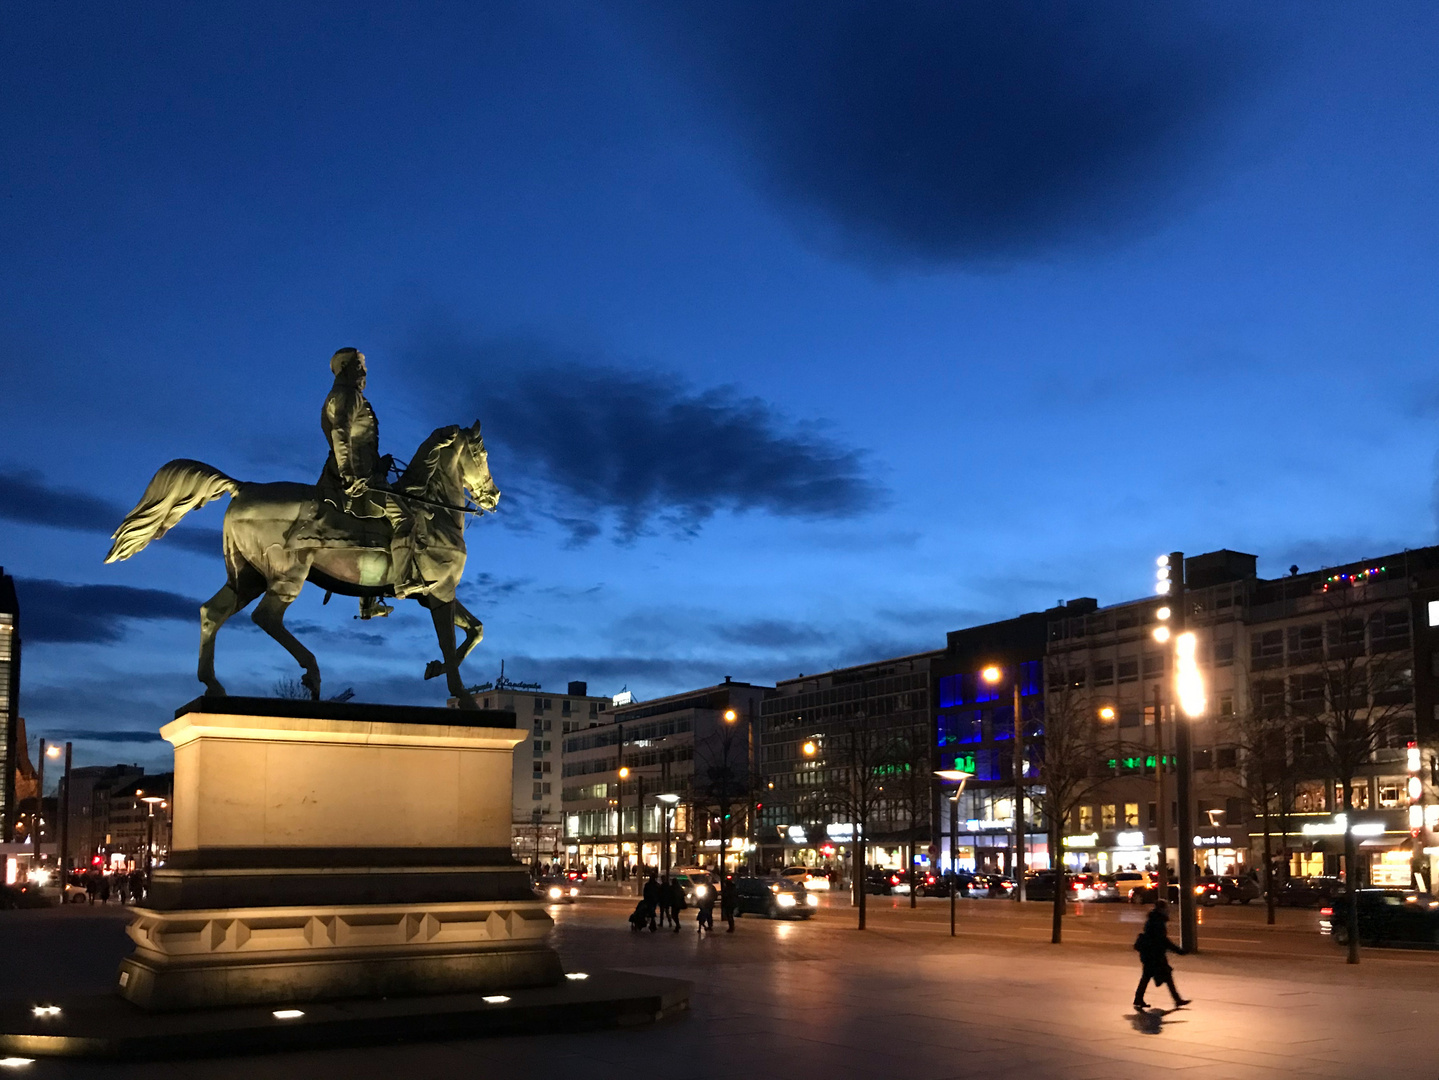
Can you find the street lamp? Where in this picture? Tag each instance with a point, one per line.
(151, 801)
(622, 871)
(63, 806)
(669, 801)
(1189, 690)
(992, 675)
(954, 776)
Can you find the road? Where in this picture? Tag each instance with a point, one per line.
(820, 999)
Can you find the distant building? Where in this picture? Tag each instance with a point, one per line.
(537, 816)
(801, 821)
(130, 819)
(89, 822)
(11, 746)
(681, 745)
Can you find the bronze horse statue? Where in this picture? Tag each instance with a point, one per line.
(278, 536)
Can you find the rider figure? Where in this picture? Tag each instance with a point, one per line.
(355, 481)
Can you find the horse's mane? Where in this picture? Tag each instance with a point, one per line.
(420, 473)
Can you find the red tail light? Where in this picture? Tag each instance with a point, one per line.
(1326, 911)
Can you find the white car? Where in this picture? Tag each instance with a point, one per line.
(813, 880)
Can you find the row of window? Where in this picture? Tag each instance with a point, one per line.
(971, 687)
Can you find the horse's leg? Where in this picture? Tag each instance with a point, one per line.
(474, 634)
(214, 612)
(270, 617)
(443, 616)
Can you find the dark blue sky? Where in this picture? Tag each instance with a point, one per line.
(800, 335)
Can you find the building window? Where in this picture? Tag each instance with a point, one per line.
(538, 793)
(565, 707)
(1153, 665)
(1391, 792)
(1086, 819)
(1153, 816)
(1226, 757)
(1104, 674)
(1224, 653)
(538, 749)
(1266, 650)
(1131, 814)
(1129, 670)
(1226, 704)
(1305, 643)
(1107, 815)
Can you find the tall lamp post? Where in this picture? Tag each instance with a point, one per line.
(953, 776)
(151, 801)
(63, 855)
(622, 871)
(667, 802)
(1189, 690)
(992, 675)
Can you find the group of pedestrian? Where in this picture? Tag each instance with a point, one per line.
(662, 901)
(125, 887)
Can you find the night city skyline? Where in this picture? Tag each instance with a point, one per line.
(796, 344)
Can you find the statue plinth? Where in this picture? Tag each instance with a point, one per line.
(325, 850)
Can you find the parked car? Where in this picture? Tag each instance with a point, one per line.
(880, 882)
(985, 884)
(930, 884)
(1386, 917)
(774, 899)
(812, 879)
(696, 884)
(1121, 884)
(1086, 886)
(1224, 889)
(1040, 885)
(556, 890)
(1309, 892)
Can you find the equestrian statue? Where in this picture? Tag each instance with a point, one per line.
(355, 533)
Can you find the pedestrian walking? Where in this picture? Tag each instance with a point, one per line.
(676, 901)
(727, 902)
(1153, 946)
(653, 897)
(704, 909)
(104, 888)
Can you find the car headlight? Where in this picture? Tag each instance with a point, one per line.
(556, 892)
(812, 901)
(774, 888)
(574, 891)
(1199, 890)
(786, 899)
(702, 890)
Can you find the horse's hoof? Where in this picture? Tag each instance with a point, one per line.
(214, 690)
(434, 669)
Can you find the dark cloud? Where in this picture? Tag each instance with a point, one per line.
(645, 450)
(27, 498)
(932, 130)
(100, 735)
(58, 612)
(771, 633)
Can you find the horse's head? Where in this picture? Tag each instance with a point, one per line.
(475, 466)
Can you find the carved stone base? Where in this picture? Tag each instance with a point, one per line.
(243, 956)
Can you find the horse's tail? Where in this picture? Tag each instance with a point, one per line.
(177, 488)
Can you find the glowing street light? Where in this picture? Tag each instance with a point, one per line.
(1107, 712)
(810, 748)
(1188, 682)
(1188, 690)
(958, 777)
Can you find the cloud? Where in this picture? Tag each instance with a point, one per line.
(592, 444)
(27, 498)
(55, 611)
(934, 131)
(771, 633)
(118, 736)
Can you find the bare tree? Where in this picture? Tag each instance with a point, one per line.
(723, 781)
(1070, 762)
(1368, 697)
(855, 760)
(290, 689)
(911, 785)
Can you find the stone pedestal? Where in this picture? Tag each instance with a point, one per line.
(325, 851)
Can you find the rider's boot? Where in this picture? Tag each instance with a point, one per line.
(374, 607)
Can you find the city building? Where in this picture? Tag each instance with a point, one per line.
(695, 747)
(138, 811)
(818, 733)
(11, 743)
(537, 814)
(1296, 669)
(89, 798)
(975, 681)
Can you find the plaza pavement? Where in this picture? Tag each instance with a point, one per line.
(902, 999)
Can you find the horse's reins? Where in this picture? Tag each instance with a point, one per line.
(399, 471)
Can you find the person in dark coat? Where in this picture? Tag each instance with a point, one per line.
(705, 908)
(728, 899)
(677, 902)
(653, 896)
(1154, 947)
